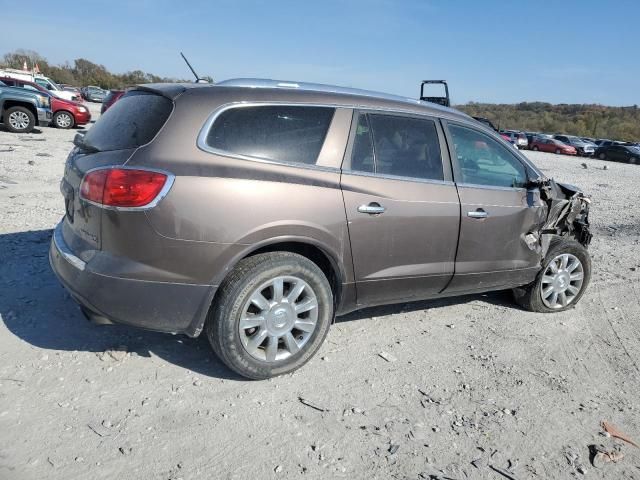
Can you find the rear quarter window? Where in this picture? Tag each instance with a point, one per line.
(131, 122)
(291, 134)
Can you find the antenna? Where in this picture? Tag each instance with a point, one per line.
(198, 79)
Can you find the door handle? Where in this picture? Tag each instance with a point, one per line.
(479, 213)
(373, 208)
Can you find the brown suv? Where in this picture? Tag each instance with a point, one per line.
(258, 210)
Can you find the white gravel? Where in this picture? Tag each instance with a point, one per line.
(518, 391)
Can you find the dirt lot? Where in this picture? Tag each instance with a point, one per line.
(475, 386)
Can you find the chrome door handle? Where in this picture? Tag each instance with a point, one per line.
(372, 209)
(479, 213)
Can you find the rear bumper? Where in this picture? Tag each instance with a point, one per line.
(160, 306)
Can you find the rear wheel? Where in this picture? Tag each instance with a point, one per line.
(63, 119)
(535, 148)
(271, 315)
(565, 274)
(19, 120)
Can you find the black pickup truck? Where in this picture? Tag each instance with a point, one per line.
(21, 110)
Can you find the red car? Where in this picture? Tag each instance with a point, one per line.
(552, 145)
(66, 114)
(110, 99)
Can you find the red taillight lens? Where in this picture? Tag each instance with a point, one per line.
(122, 187)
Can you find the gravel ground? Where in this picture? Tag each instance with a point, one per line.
(458, 388)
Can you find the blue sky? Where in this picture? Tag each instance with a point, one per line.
(492, 51)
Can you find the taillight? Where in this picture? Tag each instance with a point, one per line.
(123, 187)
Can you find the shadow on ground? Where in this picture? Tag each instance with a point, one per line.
(38, 310)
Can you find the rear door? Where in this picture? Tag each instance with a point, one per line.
(401, 205)
(497, 213)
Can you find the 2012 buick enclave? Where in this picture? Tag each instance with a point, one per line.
(257, 210)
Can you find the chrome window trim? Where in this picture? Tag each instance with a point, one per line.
(201, 141)
(491, 187)
(161, 195)
(397, 177)
(204, 133)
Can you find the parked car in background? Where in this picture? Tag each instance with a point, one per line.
(552, 145)
(326, 195)
(66, 114)
(94, 94)
(584, 149)
(112, 97)
(41, 80)
(619, 153)
(519, 139)
(22, 110)
(601, 142)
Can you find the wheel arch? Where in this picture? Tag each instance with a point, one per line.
(323, 256)
(18, 103)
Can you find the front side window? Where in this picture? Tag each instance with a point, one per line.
(293, 134)
(400, 146)
(483, 161)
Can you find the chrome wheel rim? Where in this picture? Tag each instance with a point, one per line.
(278, 319)
(63, 120)
(562, 281)
(19, 120)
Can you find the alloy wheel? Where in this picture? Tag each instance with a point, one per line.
(19, 120)
(278, 319)
(63, 120)
(562, 281)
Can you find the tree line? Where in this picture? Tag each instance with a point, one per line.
(81, 72)
(583, 120)
(598, 121)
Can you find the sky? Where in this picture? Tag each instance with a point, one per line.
(579, 51)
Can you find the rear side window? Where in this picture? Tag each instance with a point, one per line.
(283, 133)
(402, 146)
(131, 122)
(484, 161)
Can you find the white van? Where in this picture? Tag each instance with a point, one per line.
(41, 80)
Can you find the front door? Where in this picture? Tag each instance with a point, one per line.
(401, 205)
(497, 214)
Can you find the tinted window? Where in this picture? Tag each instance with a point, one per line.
(362, 156)
(403, 146)
(129, 123)
(483, 161)
(281, 133)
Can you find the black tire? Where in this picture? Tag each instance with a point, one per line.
(63, 119)
(535, 148)
(222, 326)
(24, 113)
(602, 156)
(530, 296)
(634, 159)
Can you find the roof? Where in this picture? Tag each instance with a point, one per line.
(329, 93)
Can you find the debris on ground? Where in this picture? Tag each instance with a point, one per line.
(584, 165)
(310, 404)
(503, 472)
(574, 461)
(387, 356)
(600, 456)
(118, 353)
(614, 432)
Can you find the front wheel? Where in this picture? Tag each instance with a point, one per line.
(562, 280)
(19, 120)
(602, 156)
(63, 119)
(271, 315)
(535, 148)
(557, 151)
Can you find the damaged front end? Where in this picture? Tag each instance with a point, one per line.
(567, 215)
